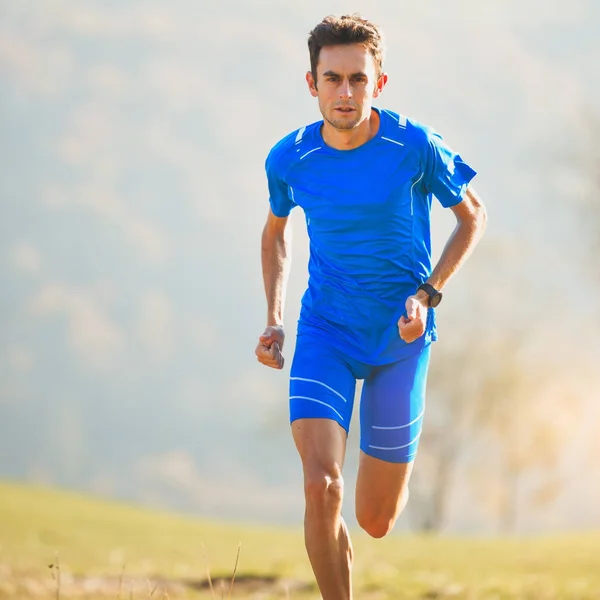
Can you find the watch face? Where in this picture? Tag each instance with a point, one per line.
(435, 299)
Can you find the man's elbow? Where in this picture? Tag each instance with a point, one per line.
(268, 238)
(273, 236)
(481, 217)
(478, 211)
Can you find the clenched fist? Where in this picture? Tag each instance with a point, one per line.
(270, 345)
(413, 326)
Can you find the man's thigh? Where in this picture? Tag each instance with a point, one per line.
(392, 408)
(391, 414)
(322, 383)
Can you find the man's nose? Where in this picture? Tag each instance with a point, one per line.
(345, 89)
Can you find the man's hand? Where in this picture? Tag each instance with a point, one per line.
(270, 345)
(413, 327)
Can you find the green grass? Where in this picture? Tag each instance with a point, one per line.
(95, 538)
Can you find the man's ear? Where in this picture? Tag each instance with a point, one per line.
(312, 84)
(381, 83)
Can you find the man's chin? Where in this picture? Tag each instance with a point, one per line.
(343, 124)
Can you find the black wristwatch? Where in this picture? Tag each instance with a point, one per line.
(435, 297)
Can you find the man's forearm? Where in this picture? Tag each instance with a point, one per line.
(276, 261)
(461, 243)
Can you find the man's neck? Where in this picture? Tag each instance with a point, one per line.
(349, 139)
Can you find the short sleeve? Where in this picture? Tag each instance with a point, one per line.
(446, 174)
(279, 192)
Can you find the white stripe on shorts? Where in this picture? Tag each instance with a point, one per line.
(396, 447)
(319, 383)
(400, 426)
(319, 402)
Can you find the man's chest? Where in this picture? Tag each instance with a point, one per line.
(377, 187)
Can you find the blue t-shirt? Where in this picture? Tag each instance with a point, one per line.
(368, 219)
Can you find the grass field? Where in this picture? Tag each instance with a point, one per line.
(108, 550)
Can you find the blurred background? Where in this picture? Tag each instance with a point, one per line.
(132, 189)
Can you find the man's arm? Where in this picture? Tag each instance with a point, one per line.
(471, 217)
(276, 262)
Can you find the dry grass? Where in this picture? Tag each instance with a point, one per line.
(60, 545)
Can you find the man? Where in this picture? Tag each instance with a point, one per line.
(364, 178)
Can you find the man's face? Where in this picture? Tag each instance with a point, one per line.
(346, 84)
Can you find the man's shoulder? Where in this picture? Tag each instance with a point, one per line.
(286, 149)
(404, 129)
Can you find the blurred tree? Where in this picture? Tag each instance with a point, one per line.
(528, 415)
(589, 224)
(498, 406)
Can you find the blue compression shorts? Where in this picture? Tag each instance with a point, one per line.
(323, 384)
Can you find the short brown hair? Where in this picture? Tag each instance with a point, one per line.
(347, 29)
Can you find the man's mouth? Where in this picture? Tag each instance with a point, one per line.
(345, 109)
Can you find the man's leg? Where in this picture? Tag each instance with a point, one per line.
(322, 446)
(381, 494)
(391, 414)
(322, 387)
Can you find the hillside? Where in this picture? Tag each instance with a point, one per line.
(102, 546)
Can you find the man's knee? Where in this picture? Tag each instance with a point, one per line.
(376, 525)
(324, 490)
(378, 521)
